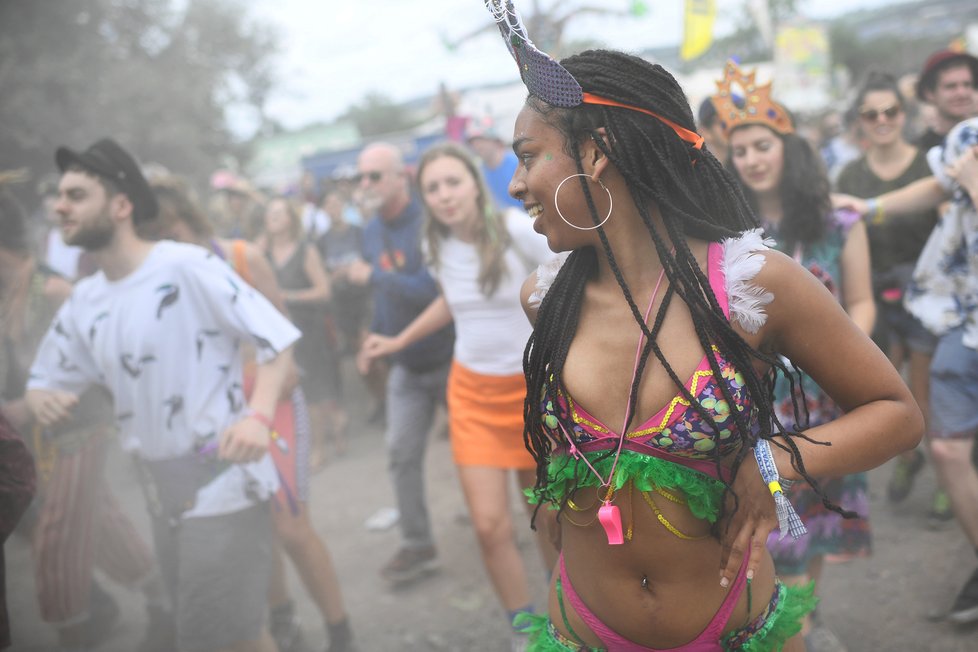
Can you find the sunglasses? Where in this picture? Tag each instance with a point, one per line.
(374, 176)
(872, 115)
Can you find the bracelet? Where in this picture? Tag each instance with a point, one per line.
(260, 418)
(874, 210)
(788, 519)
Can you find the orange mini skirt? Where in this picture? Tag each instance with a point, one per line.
(485, 418)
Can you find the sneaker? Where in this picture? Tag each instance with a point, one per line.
(383, 519)
(102, 618)
(940, 510)
(286, 628)
(379, 415)
(340, 637)
(409, 564)
(965, 609)
(901, 482)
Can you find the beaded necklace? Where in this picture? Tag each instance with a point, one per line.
(609, 515)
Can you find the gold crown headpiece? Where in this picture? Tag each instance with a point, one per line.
(755, 107)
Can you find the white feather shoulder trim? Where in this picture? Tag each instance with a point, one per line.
(741, 263)
(546, 273)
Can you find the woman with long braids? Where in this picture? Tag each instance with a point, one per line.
(480, 256)
(649, 370)
(786, 184)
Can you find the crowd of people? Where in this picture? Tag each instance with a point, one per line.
(623, 309)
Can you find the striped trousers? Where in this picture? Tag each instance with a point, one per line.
(81, 526)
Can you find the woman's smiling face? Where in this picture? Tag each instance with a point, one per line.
(758, 154)
(543, 165)
(450, 193)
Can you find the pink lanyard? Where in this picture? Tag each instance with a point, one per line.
(609, 515)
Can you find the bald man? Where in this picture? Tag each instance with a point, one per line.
(394, 269)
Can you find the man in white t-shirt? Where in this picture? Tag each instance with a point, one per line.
(161, 326)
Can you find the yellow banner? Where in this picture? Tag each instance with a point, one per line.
(698, 28)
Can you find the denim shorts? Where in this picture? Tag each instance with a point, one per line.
(953, 388)
(895, 325)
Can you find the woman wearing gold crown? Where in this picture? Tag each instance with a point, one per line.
(786, 185)
(649, 408)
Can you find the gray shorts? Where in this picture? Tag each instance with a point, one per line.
(953, 388)
(894, 325)
(225, 565)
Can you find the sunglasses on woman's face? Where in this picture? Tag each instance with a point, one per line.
(872, 115)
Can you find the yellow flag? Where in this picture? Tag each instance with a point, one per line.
(698, 28)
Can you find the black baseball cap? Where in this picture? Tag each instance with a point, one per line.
(107, 159)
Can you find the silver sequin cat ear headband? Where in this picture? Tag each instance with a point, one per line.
(551, 82)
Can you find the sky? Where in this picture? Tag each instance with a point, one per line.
(334, 53)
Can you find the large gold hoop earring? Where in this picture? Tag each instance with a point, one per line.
(574, 226)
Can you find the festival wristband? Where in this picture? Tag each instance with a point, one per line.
(874, 210)
(259, 417)
(788, 519)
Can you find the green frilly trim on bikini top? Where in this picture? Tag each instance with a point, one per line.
(703, 494)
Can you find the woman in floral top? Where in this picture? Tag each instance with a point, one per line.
(784, 181)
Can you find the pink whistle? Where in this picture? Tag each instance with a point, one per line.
(610, 517)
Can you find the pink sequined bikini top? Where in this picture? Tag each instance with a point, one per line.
(677, 433)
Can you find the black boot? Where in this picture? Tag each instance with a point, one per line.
(103, 613)
(340, 637)
(286, 628)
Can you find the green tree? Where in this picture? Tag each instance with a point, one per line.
(896, 53)
(746, 41)
(377, 115)
(156, 75)
(546, 24)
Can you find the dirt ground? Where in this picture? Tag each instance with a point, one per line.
(875, 604)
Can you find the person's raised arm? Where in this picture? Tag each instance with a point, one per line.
(432, 319)
(921, 195)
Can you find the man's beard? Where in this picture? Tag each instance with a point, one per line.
(94, 236)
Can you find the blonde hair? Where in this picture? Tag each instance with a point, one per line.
(491, 236)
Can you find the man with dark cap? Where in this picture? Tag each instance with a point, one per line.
(161, 326)
(948, 82)
(77, 523)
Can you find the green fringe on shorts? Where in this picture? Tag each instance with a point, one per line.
(796, 602)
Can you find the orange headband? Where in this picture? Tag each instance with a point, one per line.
(690, 137)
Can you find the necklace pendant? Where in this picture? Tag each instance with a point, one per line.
(610, 517)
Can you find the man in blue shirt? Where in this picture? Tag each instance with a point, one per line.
(393, 267)
(498, 160)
